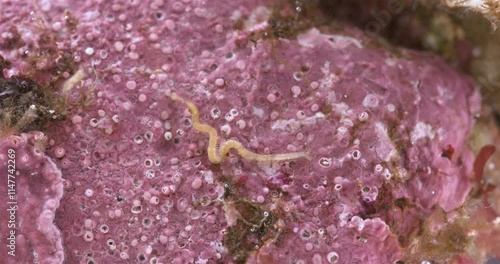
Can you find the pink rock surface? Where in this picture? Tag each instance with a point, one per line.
(138, 183)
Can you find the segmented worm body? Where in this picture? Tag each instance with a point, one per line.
(217, 155)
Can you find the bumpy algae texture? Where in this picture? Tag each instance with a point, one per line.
(380, 133)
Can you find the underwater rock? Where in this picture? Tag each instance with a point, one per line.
(384, 130)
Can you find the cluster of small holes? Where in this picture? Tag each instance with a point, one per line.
(146, 222)
(205, 201)
(94, 122)
(167, 125)
(234, 112)
(225, 130)
(138, 140)
(297, 76)
(167, 135)
(108, 192)
(124, 255)
(305, 234)
(332, 257)
(198, 152)
(88, 236)
(229, 117)
(141, 257)
(241, 124)
(148, 136)
(195, 215)
(159, 15)
(387, 174)
(301, 115)
(229, 55)
(137, 183)
(154, 200)
(215, 113)
(136, 209)
(325, 162)
(363, 116)
(104, 229)
(356, 155)
(150, 174)
(111, 244)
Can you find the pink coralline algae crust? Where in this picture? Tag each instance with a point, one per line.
(39, 190)
(138, 183)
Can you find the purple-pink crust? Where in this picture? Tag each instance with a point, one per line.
(378, 122)
(30, 209)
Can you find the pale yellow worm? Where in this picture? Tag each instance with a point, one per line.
(216, 156)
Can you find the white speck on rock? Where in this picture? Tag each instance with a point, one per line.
(370, 101)
(259, 112)
(422, 130)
